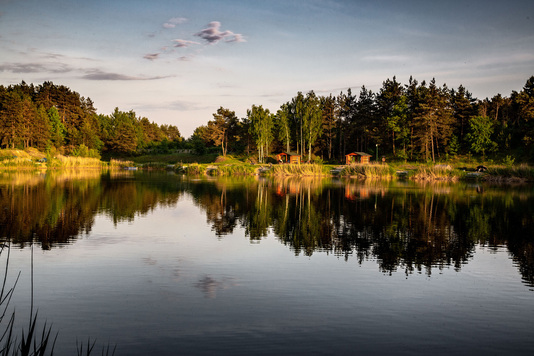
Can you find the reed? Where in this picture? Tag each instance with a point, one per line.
(31, 341)
(521, 172)
(304, 170)
(10, 163)
(71, 162)
(368, 171)
(116, 163)
(233, 170)
(193, 169)
(437, 172)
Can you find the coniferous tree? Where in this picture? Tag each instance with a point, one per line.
(464, 108)
(433, 120)
(390, 103)
(57, 129)
(11, 117)
(330, 112)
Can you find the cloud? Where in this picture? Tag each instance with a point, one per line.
(171, 23)
(35, 67)
(184, 105)
(387, 58)
(212, 34)
(97, 74)
(184, 43)
(236, 38)
(151, 56)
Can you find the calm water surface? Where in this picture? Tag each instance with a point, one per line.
(159, 264)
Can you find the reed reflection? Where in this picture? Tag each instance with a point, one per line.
(403, 226)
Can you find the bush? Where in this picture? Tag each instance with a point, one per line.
(84, 151)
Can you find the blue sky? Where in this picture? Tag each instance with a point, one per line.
(176, 62)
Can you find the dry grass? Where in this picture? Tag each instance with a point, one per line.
(303, 170)
(368, 171)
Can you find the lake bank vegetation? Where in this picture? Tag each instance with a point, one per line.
(417, 124)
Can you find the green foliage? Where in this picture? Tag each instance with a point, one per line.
(222, 128)
(84, 151)
(261, 129)
(54, 116)
(416, 121)
(454, 146)
(480, 135)
(508, 161)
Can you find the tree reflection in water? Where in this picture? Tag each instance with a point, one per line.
(406, 226)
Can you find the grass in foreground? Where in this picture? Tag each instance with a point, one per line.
(29, 341)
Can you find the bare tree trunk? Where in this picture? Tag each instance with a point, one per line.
(432, 145)
(393, 142)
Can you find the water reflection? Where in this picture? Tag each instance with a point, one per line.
(401, 225)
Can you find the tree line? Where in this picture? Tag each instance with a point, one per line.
(414, 121)
(53, 117)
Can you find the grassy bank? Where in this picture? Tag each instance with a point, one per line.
(210, 164)
(32, 159)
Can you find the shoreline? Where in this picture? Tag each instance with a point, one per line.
(33, 160)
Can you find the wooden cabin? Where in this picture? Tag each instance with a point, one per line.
(287, 158)
(357, 157)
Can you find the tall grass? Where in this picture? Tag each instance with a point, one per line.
(305, 170)
(522, 172)
(11, 163)
(193, 169)
(368, 171)
(233, 170)
(77, 162)
(29, 341)
(437, 172)
(116, 163)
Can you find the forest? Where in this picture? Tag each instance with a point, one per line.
(53, 118)
(417, 121)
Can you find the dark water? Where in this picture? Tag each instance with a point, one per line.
(159, 264)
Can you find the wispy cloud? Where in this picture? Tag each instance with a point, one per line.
(97, 74)
(35, 67)
(184, 43)
(212, 34)
(179, 105)
(386, 58)
(151, 56)
(171, 23)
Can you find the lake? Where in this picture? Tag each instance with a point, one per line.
(161, 264)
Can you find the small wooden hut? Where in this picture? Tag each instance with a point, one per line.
(357, 157)
(287, 158)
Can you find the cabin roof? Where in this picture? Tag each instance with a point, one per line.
(358, 154)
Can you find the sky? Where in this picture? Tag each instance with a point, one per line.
(176, 62)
